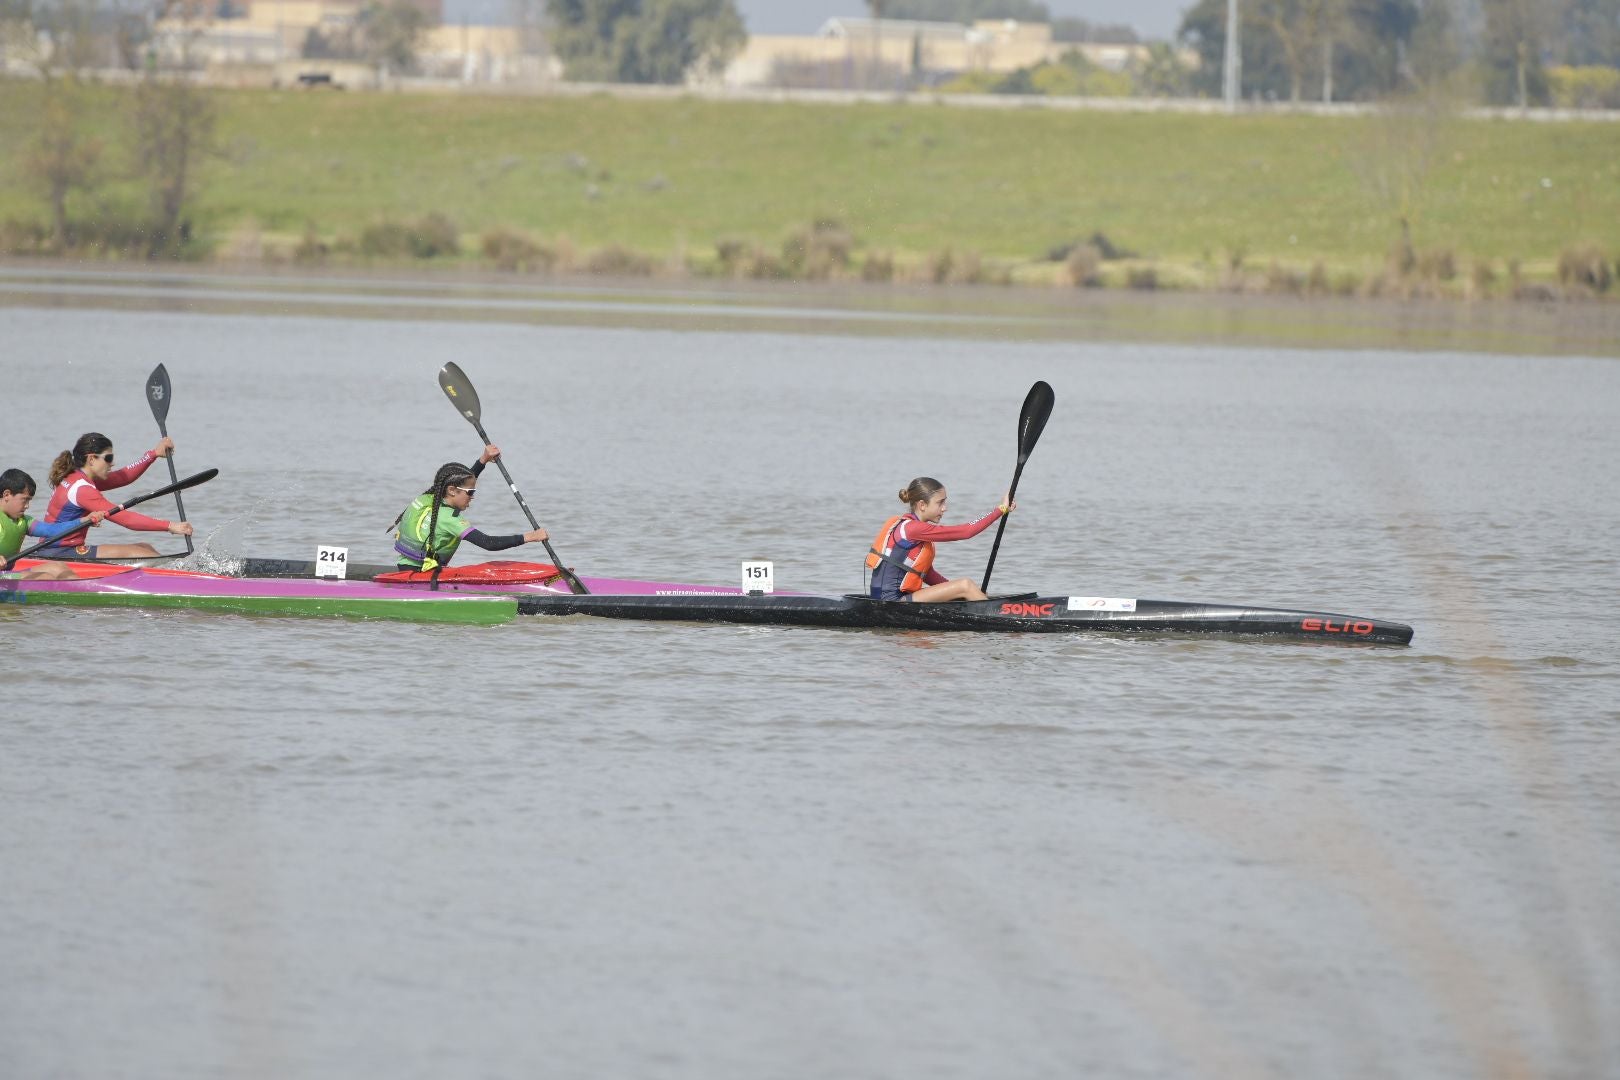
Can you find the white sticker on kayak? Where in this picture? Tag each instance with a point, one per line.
(1100, 603)
(331, 562)
(758, 577)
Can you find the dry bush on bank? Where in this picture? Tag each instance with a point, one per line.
(1535, 291)
(23, 238)
(1346, 283)
(762, 265)
(515, 252)
(1587, 267)
(311, 249)
(1317, 284)
(817, 252)
(1105, 248)
(1283, 280)
(951, 267)
(245, 243)
(878, 266)
(1437, 264)
(384, 240)
(729, 255)
(740, 259)
(113, 237)
(430, 236)
(619, 261)
(1083, 266)
(434, 235)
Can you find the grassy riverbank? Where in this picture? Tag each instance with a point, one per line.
(697, 186)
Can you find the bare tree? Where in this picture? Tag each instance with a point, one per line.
(62, 158)
(172, 125)
(174, 131)
(57, 41)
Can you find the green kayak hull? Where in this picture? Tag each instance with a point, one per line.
(462, 610)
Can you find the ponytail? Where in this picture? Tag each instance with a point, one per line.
(61, 467)
(91, 442)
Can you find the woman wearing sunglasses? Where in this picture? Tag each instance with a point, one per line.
(431, 528)
(78, 477)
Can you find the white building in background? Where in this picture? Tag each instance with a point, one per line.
(266, 46)
(915, 48)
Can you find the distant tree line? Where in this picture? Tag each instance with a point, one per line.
(643, 41)
(1525, 52)
(387, 33)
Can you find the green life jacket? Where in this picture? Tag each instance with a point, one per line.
(411, 541)
(13, 531)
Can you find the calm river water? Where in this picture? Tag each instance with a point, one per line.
(238, 847)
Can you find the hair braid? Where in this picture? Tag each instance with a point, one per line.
(449, 473)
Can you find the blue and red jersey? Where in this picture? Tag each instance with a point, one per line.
(77, 497)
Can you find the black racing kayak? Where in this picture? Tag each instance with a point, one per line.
(1024, 613)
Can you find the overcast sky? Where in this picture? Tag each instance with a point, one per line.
(1152, 18)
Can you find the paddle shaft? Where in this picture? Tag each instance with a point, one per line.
(574, 584)
(174, 478)
(1012, 490)
(176, 487)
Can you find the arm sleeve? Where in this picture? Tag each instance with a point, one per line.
(50, 530)
(492, 543)
(934, 577)
(478, 468)
(128, 474)
(94, 500)
(922, 530)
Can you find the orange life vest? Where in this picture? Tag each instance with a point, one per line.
(883, 551)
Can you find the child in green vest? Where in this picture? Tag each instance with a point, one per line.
(16, 492)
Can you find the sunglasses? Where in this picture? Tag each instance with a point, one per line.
(107, 457)
(469, 492)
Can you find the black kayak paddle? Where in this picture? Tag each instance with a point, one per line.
(1031, 422)
(158, 394)
(167, 489)
(459, 389)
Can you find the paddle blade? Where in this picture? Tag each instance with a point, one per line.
(459, 389)
(1032, 419)
(158, 394)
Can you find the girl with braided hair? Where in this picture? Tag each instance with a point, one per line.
(431, 528)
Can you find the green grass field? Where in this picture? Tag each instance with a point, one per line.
(676, 176)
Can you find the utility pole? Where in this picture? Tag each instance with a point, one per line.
(1231, 69)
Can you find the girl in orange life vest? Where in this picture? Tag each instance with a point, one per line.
(902, 557)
